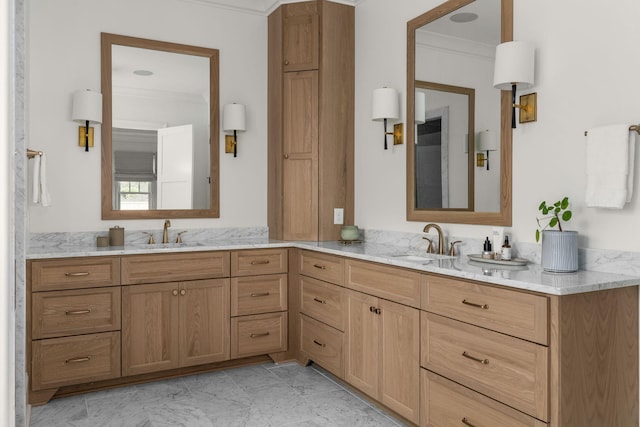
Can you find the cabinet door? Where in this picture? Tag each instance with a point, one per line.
(400, 359)
(300, 37)
(204, 321)
(362, 338)
(300, 150)
(150, 315)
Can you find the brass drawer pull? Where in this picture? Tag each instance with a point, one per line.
(321, 301)
(321, 267)
(174, 292)
(74, 312)
(472, 304)
(375, 310)
(263, 334)
(78, 359)
(78, 274)
(475, 359)
(319, 343)
(466, 422)
(260, 294)
(183, 292)
(266, 261)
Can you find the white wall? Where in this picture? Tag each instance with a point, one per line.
(63, 40)
(586, 75)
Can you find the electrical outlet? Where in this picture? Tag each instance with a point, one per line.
(338, 216)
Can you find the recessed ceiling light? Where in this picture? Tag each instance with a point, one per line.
(464, 17)
(143, 73)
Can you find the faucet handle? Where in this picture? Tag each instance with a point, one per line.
(430, 248)
(452, 248)
(151, 240)
(179, 238)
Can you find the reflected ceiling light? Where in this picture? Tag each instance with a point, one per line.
(487, 141)
(144, 73)
(87, 108)
(514, 66)
(463, 17)
(385, 106)
(233, 119)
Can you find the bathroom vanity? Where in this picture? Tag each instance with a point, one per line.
(437, 340)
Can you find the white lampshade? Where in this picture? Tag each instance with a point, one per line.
(385, 104)
(87, 106)
(234, 118)
(421, 108)
(514, 65)
(487, 140)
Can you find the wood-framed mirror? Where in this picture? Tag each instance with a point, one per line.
(441, 50)
(160, 149)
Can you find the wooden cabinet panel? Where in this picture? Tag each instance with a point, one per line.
(300, 34)
(322, 344)
(204, 321)
(150, 328)
(72, 312)
(258, 294)
(447, 404)
(258, 334)
(74, 273)
(395, 284)
(323, 301)
(329, 268)
(64, 361)
(258, 261)
(400, 359)
(362, 343)
(505, 368)
(174, 267)
(511, 312)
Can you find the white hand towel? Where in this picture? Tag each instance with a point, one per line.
(39, 184)
(609, 166)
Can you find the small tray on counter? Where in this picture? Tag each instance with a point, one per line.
(513, 261)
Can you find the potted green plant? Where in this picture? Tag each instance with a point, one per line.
(559, 247)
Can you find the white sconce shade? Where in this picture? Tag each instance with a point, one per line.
(487, 140)
(234, 119)
(87, 109)
(420, 108)
(514, 65)
(385, 104)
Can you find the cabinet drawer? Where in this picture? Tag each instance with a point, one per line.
(174, 267)
(325, 267)
(505, 368)
(395, 284)
(323, 301)
(254, 262)
(73, 312)
(74, 273)
(511, 312)
(258, 334)
(445, 403)
(73, 360)
(258, 294)
(322, 344)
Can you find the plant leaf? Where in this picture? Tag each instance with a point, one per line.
(566, 216)
(537, 235)
(557, 204)
(565, 203)
(542, 206)
(553, 222)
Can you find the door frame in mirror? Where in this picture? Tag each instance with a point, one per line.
(503, 217)
(107, 41)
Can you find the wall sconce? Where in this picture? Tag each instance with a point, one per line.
(514, 66)
(385, 107)
(487, 141)
(87, 108)
(234, 119)
(420, 109)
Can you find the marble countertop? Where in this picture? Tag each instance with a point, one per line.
(530, 277)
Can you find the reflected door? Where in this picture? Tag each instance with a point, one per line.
(175, 167)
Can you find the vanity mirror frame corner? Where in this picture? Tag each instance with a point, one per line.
(503, 217)
(107, 40)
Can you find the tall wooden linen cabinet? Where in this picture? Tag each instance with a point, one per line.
(311, 108)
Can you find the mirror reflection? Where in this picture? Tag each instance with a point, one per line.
(157, 157)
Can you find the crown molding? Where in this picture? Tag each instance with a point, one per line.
(257, 7)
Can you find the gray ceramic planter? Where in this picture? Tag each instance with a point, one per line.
(560, 251)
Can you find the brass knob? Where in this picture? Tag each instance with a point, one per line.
(286, 156)
(183, 292)
(286, 62)
(174, 292)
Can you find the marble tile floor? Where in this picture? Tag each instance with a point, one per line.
(254, 396)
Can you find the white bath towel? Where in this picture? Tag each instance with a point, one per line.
(610, 158)
(39, 184)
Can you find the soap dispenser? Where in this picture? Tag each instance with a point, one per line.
(486, 250)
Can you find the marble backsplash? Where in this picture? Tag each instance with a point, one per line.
(606, 261)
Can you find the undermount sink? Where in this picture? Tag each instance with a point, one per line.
(422, 258)
(166, 245)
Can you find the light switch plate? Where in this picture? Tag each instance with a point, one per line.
(338, 216)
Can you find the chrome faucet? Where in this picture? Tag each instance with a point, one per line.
(440, 236)
(165, 235)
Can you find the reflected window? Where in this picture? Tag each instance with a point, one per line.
(134, 195)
